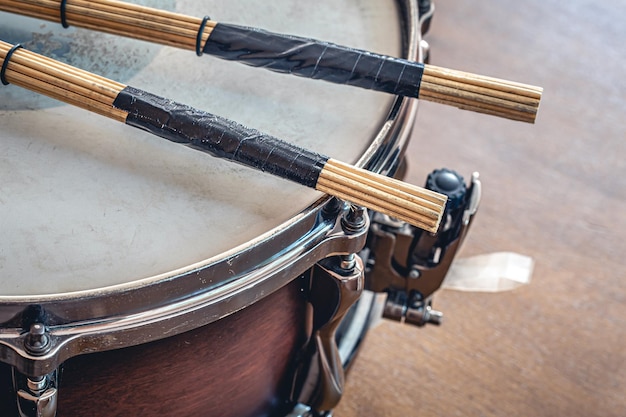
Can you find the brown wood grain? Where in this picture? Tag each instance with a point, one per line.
(555, 191)
(238, 366)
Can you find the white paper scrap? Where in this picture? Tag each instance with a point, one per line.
(500, 271)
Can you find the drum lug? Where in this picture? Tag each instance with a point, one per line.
(336, 284)
(330, 282)
(410, 265)
(36, 396)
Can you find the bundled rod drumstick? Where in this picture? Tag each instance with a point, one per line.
(219, 137)
(290, 54)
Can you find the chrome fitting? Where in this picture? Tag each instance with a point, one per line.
(37, 341)
(36, 396)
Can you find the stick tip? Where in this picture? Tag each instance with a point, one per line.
(415, 205)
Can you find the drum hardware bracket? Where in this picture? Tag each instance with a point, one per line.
(338, 288)
(301, 410)
(36, 396)
(35, 393)
(336, 284)
(409, 265)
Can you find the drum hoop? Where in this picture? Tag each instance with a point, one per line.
(84, 321)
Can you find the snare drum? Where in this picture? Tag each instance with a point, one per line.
(139, 277)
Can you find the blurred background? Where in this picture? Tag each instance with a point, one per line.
(554, 191)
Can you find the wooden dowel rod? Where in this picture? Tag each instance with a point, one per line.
(67, 70)
(483, 81)
(65, 96)
(182, 21)
(63, 85)
(31, 11)
(522, 117)
(147, 10)
(169, 31)
(141, 33)
(116, 11)
(143, 37)
(479, 107)
(479, 99)
(31, 71)
(393, 186)
(471, 88)
(121, 6)
(59, 74)
(402, 201)
(90, 15)
(346, 192)
(388, 201)
(424, 223)
(148, 36)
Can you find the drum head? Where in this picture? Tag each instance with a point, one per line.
(87, 203)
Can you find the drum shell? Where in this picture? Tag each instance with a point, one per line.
(241, 365)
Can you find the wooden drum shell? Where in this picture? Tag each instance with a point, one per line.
(241, 365)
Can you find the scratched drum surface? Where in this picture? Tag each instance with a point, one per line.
(88, 204)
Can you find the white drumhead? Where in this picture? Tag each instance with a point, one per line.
(88, 203)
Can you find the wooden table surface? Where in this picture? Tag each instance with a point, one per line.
(554, 191)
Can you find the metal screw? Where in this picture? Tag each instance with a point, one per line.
(37, 384)
(37, 341)
(331, 208)
(348, 262)
(433, 316)
(354, 220)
